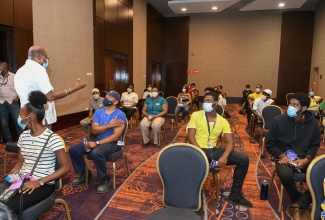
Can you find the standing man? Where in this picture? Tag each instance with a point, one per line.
(8, 102)
(95, 103)
(297, 131)
(33, 76)
(129, 101)
(203, 131)
(108, 125)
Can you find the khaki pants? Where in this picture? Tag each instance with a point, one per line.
(156, 127)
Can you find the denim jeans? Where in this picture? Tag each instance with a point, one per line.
(285, 173)
(99, 155)
(7, 109)
(235, 158)
(184, 109)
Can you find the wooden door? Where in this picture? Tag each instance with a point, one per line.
(315, 77)
(155, 76)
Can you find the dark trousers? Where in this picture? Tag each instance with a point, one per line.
(29, 200)
(98, 154)
(285, 174)
(240, 160)
(7, 109)
(129, 112)
(249, 114)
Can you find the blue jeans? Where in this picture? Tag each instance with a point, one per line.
(7, 109)
(235, 158)
(98, 154)
(184, 109)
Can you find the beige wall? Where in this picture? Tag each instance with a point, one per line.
(139, 46)
(66, 32)
(318, 54)
(235, 50)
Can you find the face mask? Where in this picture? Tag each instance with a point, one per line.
(311, 93)
(129, 90)
(257, 89)
(96, 96)
(183, 90)
(247, 89)
(149, 88)
(207, 107)
(107, 102)
(19, 119)
(292, 111)
(45, 65)
(263, 97)
(154, 94)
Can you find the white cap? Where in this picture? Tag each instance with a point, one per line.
(95, 90)
(268, 91)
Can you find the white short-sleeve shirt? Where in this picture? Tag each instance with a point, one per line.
(259, 104)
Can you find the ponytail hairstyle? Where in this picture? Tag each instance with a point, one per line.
(37, 100)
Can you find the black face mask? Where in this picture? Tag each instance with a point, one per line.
(107, 102)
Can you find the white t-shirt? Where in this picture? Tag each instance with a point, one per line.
(259, 104)
(7, 88)
(129, 99)
(31, 77)
(30, 149)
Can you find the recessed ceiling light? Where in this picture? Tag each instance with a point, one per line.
(281, 4)
(214, 8)
(183, 9)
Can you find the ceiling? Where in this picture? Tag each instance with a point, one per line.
(172, 8)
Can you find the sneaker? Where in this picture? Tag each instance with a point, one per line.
(104, 186)
(82, 179)
(240, 200)
(293, 212)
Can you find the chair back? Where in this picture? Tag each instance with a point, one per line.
(172, 104)
(220, 110)
(315, 178)
(183, 169)
(269, 113)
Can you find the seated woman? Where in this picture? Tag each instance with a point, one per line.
(184, 101)
(154, 109)
(31, 142)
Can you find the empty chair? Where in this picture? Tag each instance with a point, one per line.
(172, 105)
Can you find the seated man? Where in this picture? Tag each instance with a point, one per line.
(95, 103)
(208, 89)
(129, 100)
(205, 137)
(297, 131)
(251, 97)
(154, 109)
(314, 102)
(244, 102)
(223, 102)
(184, 103)
(108, 125)
(258, 106)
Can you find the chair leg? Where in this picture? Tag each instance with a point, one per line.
(127, 164)
(86, 173)
(272, 179)
(114, 177)
(66, 206)
(280, 199)
(131, 119)
(173, 121)
(5, 163)
(262, 147)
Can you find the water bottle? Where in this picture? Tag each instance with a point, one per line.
(264, 190)
(84, 139)
(12, 177)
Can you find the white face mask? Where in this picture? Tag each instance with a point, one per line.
(149, 88)
(96, 96)
(183, 90)
(154, 94)
(263, 97)
(129, 90)
(257, 89)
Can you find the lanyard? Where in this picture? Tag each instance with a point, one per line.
(214, 124)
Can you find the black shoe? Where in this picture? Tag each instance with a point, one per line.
(104, 186)
(145, 144)
(82, 179)
(240, 200)
(157, 146)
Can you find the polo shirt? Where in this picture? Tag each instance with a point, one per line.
(129, 99)
(255, 95)
(314, 106)
(155, 107)
(95, 104)
(199, 122)
(7, 88)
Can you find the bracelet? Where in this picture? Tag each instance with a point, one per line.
(66, 92)
(70, 91)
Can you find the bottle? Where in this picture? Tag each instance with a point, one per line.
(12, 177)
(84, 139)
(264, 190)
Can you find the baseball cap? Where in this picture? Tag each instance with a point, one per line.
(95, 90)
(114, 94)
(268, 91)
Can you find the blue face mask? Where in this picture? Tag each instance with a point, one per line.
(311, 93)
(45, 65)
(292, 111)
(207, 107)
(19, 119)
(107, 102)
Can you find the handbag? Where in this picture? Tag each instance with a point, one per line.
(5, 193)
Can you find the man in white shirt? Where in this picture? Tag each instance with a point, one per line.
(129, 101)
(8, 102)
(258, 106)
(33, 76)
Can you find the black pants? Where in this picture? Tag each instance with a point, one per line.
(249, 114)
(285, 174)
(29, 200)
(235, 158)
(129, 112)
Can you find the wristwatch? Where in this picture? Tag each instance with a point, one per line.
(97, 143)
(41, 182)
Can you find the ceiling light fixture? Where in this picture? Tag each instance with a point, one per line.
(183, 9)
(281, 4)
(214, 8)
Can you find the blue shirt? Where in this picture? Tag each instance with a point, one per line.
(155, 107)
(102, 118)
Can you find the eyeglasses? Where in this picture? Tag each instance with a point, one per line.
(47, 57)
